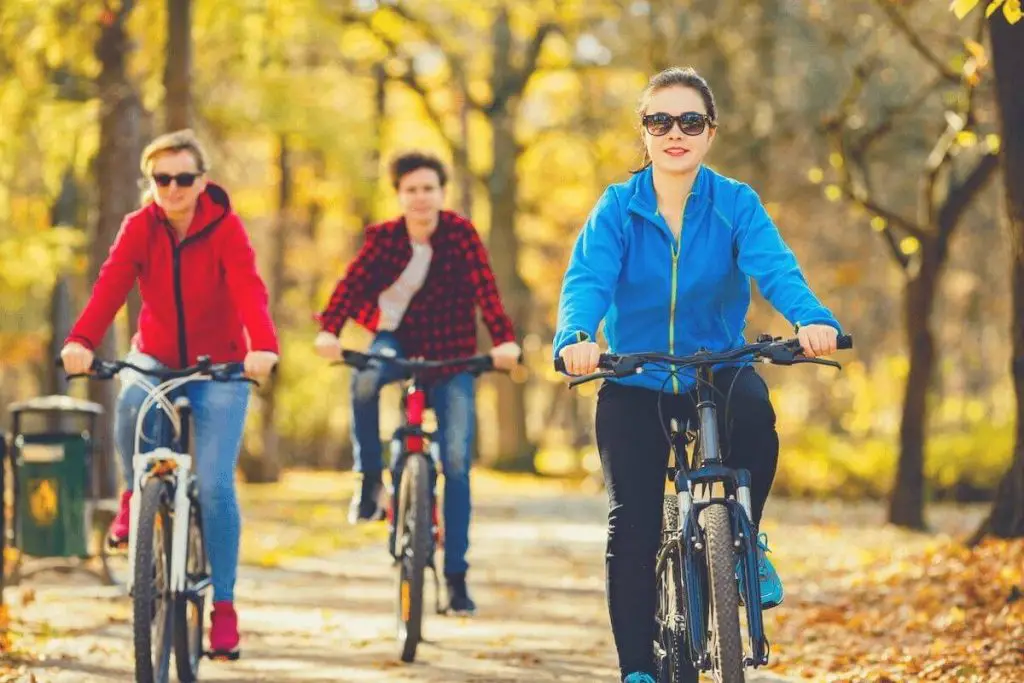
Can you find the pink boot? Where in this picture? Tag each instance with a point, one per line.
(118, 532)
(224, 631)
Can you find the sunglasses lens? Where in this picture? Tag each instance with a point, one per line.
(162, 179)
(658, 124)
(692, 124)
(185, 179)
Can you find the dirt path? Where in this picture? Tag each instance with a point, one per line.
(537, 578)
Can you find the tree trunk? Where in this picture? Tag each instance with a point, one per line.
(463, 172)
(265, 466)
(906, 506)
(1007, 516)
(63, 216)
(178, 66)
(764, 108)
(514, 449)
(116, 167)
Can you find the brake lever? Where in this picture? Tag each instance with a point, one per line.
(816, 361)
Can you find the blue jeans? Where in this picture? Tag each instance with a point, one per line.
(454, 402)
(218, 413)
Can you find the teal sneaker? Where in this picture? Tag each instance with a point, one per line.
(639, 677)
(771, 585)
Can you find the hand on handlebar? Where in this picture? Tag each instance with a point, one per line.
(77, 358)
(581, 358)
(327, 346)
(506, 356)
(818, 340)
(259, 364)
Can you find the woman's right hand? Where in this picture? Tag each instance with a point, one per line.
(77, 359)
(581, 358)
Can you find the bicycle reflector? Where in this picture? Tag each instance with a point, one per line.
(415, 404)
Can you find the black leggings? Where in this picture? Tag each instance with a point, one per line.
(634, 456)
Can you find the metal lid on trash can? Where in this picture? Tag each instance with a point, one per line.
(55, 403)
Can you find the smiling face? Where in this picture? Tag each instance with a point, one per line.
(176, 181)
(674, 151)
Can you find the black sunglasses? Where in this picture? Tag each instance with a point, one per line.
(690, 122)
(182, 179)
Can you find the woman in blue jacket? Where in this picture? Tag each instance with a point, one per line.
(665, 260)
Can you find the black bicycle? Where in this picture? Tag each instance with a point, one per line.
(415, 527)
(169, 572)
(707, 561)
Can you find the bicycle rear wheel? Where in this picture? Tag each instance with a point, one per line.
(670, 647)
(726, 647)
(413, 526)
(152, 615)
(189, 607)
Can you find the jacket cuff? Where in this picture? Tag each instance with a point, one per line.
(79, 339)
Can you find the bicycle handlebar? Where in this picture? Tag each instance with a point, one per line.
(477, 365)
(766, 349)
(218, 372)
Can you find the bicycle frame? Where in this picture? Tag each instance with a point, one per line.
(165, 462)
(710, 470)
(410, 440)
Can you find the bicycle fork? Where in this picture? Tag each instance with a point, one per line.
(180, 466)
(691, 542)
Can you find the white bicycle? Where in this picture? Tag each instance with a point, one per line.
(168, 571)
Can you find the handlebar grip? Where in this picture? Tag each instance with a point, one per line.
(604, 362)
(845, 341)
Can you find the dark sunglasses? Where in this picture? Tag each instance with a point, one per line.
(182, 179)
(690, 122)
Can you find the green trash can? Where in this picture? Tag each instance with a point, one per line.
(52, 462)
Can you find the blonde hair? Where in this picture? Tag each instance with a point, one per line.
(175, 141)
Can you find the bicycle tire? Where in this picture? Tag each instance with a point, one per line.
(152, 656)
(726, 647)
(671, 646)
(188, 633)
(414, 538)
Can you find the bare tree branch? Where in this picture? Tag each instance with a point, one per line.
(858, 190)
(960, 197)
(904, 27)
(455, 63)
(893, 115)
(409, 78)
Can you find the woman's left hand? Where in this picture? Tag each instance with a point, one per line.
(817, 340)
(259, 364)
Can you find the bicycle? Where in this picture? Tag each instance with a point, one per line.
(414, 526)
(708, 544)
(168, 570)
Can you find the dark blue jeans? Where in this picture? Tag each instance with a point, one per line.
(454, 404)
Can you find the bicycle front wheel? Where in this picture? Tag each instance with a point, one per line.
(413, 525)
(152, 614)
(726, 645)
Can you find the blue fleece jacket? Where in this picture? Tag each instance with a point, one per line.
(659, 295)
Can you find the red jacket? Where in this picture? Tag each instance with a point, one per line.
(440, 322)
(200, 296)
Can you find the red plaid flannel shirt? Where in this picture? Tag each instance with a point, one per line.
(440, 322)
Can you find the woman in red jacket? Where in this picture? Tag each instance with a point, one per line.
(201, 296)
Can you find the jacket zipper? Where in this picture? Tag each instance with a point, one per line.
(179, 298)
(179, 302)
(677, 248)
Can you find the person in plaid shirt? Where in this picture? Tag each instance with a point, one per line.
(416, 283)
